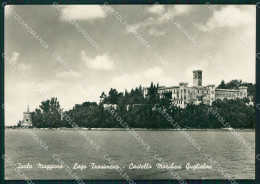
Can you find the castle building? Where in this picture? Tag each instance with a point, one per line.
(27, 118)
(183, 94)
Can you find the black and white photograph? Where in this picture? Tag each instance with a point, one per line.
(129, 92)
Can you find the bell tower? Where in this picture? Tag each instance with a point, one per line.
(197, 77)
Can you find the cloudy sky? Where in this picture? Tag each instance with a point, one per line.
(226, 34)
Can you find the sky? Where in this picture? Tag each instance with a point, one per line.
(121, 60)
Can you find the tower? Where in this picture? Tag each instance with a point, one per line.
(212, 95)
(27, 118)
(243, 91)
(197, 77)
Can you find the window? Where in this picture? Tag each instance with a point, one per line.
(27, 119)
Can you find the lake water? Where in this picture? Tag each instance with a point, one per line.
(172, 146)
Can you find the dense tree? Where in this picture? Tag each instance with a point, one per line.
(49, 114)
(233, 84)
(222, 85)
(140, 112)
(103, 97)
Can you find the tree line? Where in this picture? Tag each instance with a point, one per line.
(148, 111)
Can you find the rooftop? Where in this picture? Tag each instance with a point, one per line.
(227, 90)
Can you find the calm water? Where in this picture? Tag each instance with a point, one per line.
(124, 149)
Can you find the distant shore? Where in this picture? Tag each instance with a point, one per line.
(136, 129)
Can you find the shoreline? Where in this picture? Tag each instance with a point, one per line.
(135, 129)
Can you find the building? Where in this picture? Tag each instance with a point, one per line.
(27, 118)
(183, 94)
(110, 106)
